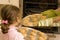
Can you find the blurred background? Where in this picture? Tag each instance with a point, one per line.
(29, 7)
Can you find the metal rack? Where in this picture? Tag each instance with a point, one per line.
(48, 29)
(45, 29)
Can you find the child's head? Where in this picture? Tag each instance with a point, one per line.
(11, 14)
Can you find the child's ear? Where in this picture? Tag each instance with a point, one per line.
(17, 19)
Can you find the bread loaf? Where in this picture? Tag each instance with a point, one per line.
(33, 34)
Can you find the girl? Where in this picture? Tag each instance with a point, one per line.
(11, 18)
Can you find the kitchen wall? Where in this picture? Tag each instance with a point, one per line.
(12, 2)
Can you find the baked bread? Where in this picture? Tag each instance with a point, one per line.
(32, 34)
(32, 20)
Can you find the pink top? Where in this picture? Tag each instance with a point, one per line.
(13, 34)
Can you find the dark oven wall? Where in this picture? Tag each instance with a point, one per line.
(36, 6)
